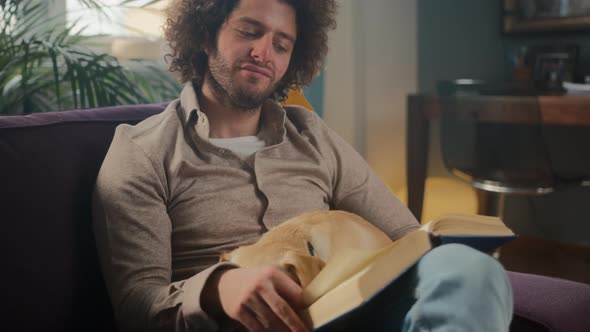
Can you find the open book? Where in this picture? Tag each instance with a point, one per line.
(351, 280)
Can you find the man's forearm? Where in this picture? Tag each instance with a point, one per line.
(210, 296)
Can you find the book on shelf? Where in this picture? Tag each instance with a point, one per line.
(354, 285)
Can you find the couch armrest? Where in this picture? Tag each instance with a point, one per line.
(549, 304)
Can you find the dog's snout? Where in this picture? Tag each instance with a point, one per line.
(291, 270)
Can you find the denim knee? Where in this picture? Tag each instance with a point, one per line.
(461, 287)
(466, 263)
(474, 271)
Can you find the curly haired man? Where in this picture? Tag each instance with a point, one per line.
(224, 163)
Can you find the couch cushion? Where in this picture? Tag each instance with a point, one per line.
(549, 304)
(48, 166)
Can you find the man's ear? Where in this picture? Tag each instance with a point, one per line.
(208, 48)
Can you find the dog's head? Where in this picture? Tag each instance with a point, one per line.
(303, 245)
(300, 265)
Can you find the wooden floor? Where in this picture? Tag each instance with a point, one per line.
(549, 258)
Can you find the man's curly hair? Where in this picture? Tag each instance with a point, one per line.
(192, 27)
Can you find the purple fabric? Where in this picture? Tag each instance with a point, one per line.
(50, 274)
(550, 304)
(117, 114)
(48, 164)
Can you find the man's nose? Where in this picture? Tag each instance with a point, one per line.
(261, 51)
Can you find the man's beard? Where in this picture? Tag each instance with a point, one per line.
(227, 88)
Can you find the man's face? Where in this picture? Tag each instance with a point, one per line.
(254, 47)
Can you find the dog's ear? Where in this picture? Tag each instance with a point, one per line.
(301, 268)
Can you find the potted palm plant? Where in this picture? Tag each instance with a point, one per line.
(44, 66)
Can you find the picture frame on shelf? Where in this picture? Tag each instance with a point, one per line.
(520, 16)
(553, 65)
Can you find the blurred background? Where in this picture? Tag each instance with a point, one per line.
(381, 52)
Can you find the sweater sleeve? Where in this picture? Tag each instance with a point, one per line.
(133, 236)
(358, 189)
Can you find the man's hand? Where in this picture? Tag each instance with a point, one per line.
(261, 299)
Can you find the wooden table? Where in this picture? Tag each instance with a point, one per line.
(555, 110)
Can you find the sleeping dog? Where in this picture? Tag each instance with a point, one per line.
(303, 245)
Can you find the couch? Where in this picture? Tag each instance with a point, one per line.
(50, 272)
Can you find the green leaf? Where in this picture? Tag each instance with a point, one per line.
(45, 67)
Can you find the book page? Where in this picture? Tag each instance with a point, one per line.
(339, 268)
(467, 225)
(382, 269)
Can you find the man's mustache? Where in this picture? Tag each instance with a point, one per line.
(257, 66)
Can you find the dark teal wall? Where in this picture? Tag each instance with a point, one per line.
(458, 39)
(464, 39)
(315, 94)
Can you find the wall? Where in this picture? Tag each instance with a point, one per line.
(456, 39)
(371, 67)
(340, 95)
(463, 39)
(314, 93)
(391, 53)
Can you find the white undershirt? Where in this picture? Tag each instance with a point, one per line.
(243, 146)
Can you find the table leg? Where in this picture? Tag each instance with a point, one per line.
(416, 153)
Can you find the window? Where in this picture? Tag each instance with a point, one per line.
(116, 20)
(93, 22)
(127, 32)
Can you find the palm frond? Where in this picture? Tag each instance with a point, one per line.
(140, 3)
(44, 67)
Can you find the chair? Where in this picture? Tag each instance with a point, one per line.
(500, 145)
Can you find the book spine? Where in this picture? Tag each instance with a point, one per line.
(435, 240)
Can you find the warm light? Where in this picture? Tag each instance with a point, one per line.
(119, 21)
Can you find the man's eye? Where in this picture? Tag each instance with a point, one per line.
(247, 34)
(280, 48)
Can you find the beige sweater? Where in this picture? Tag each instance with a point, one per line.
(167, 203)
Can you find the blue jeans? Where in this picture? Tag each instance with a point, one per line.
(454, 288)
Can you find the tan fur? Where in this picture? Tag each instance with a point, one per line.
(327, 231)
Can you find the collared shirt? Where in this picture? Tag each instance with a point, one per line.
(167, 203)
